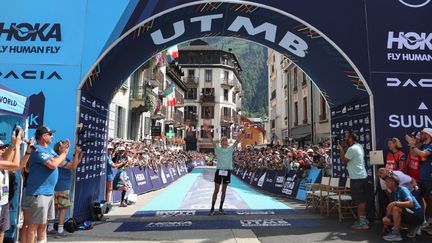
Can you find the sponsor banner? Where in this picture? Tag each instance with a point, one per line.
(313, 175)
(269, 180)
(155, 179)
(90, 173)
(35, 33)
(291, 184)
(142, 180)
(354, 117)
(165, 175)
(11, 102)
(408, 97)
(37, 110)
(400, 44)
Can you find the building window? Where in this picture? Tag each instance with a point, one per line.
(190, 113)
(304, 82)
(226, 92)
(295, 80)
(207, 112)
(121, 117)
(204, 134)
(273, 123)
(305, 110)
(208, 75)
(226, 111)
(234, 98)
(191, 73)
(323, 105)
(191, 94)
(248, 135)
(208, 91)
(273, 95)
(226, 75)
(296, 114)
(226, 132)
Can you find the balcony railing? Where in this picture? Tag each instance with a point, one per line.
(179, 98)
(239, 106)
(237, 88)
(227, 119)
(191, 81)
(137, 92)
(228, 82)
(178, 117)
(207, 98)
(190, 118)
(160, 114)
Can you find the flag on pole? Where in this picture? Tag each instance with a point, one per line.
(170, 95)
(173, 52)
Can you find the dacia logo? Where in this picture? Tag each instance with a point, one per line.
(30, 32)
(422, 83)
(30, 74)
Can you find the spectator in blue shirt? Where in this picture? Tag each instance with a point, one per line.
(403, 208)
(42, 180)
(63, 186)
(120, 184)
(109, 173)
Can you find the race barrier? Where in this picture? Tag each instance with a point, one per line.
(290, 184)
(146, 179)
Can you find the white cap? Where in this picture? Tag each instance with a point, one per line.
(110, 146)
(1, 143)
(310, 151)
(121, 148)
(427, 131)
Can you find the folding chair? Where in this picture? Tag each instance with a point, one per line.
(342, 201)
(316, 191)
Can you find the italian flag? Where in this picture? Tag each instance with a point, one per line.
(173, 52)
(170, 95)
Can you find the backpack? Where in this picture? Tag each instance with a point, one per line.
(71, 225)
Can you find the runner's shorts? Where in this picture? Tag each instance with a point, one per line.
(222, 176)
(4, 217)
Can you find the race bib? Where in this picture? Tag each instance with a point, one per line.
(223, 172)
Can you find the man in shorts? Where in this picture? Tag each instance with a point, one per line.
(354, 159)
(224, 166)
(403, 208)
(62, 188)
(42, 179)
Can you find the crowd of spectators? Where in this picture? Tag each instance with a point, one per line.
(286, 158)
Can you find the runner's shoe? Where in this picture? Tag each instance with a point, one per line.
(393, 236)
(414, 232)
(359, 225)
(211, 213)
(222, 212)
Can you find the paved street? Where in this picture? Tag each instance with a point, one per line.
(178, 214)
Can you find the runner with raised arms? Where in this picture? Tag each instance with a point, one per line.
(224, 166)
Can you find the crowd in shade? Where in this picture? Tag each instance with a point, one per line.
(285, 158)
(124, 154)
(135, 153)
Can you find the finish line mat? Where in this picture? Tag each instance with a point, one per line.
(215, 224)
(238, 212)
(194, 191)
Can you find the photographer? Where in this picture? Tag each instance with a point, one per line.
(43, 177)
(354, 159)
(9, 160)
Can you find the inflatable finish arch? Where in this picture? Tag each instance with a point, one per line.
(371, 59)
